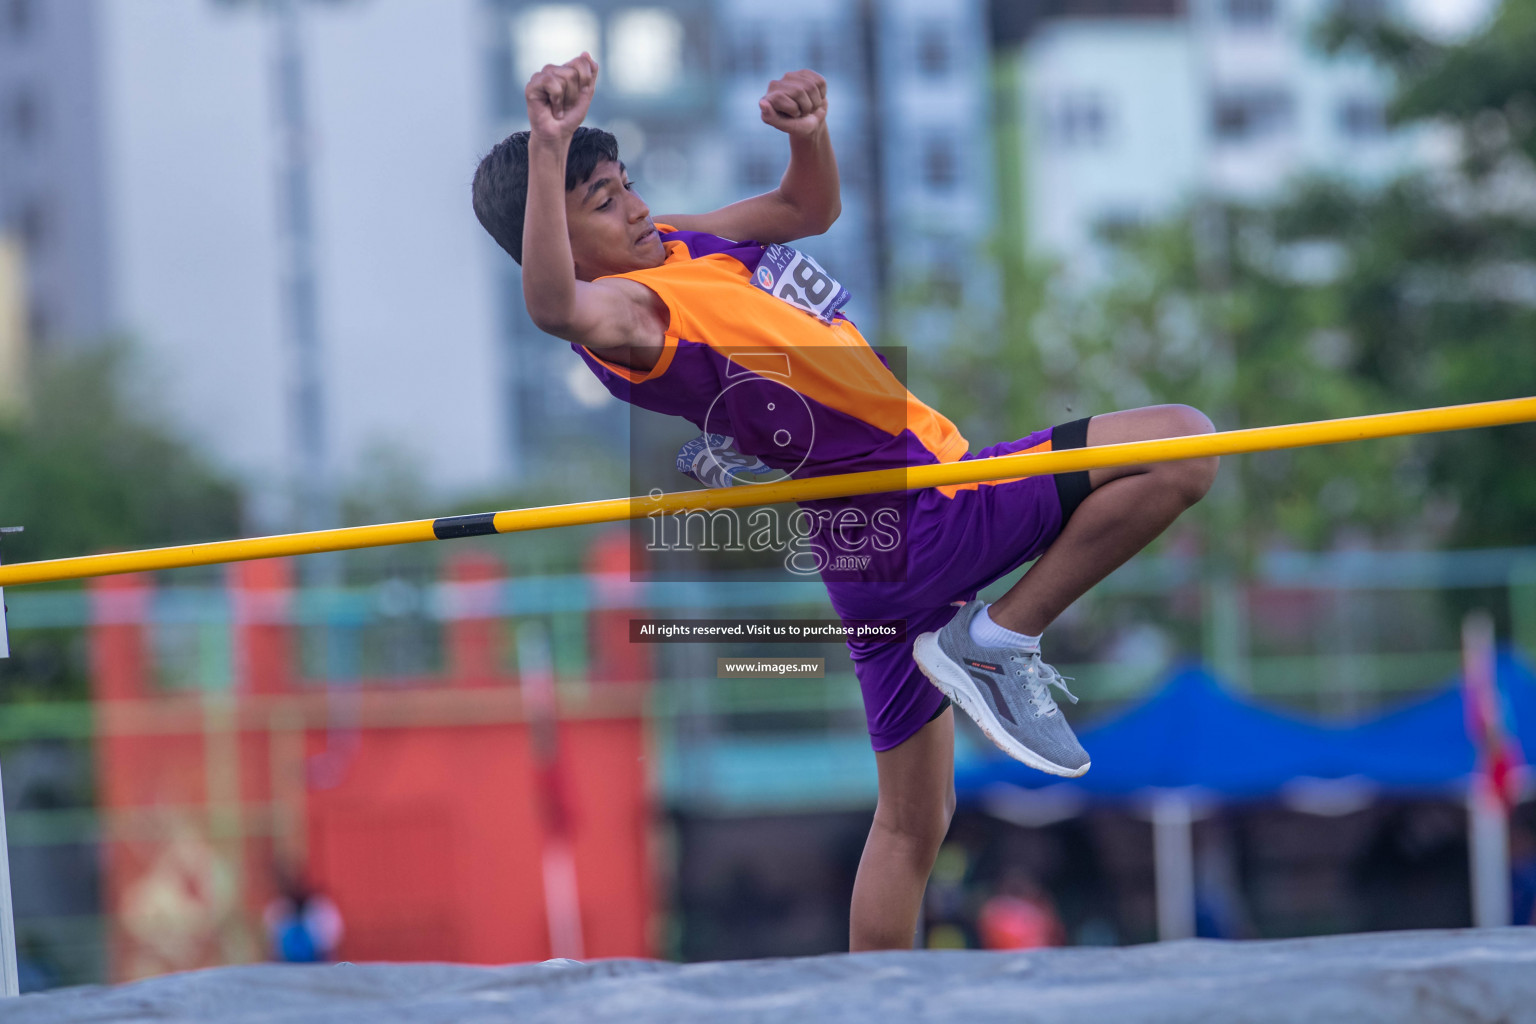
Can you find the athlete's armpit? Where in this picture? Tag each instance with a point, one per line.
(622, 319)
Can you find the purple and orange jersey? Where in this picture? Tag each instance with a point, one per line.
(807, 397)
(811, 398)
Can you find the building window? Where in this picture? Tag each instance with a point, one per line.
(39, 324)
(759, 171)
(19, 16)
(1250, 14)
(1362, 10)
(933, 51)
(552, 34)
(941, 171)
(645, 50)
(1118, 223)
(22, 116)
(1251, 116)
(1077, 119)
(854, 176)
(818, 54)
(943, 275)
(752, 54)
(32, 225)
(945, 287)
(1361, 118)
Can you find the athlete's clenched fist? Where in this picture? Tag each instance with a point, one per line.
(796, 103)
(558, 97)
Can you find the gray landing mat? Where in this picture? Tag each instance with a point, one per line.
(1390, 977)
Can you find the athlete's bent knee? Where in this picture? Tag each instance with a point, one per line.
(1199, 476)
(922, 832)
(1192, 478)
(1187, 421)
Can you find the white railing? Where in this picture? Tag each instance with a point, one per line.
(10, 983)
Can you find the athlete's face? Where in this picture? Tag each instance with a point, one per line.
(610, 225)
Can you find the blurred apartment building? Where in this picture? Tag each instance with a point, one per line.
(1131, 106)
(14, 350)
(145, 166)
(142, 167)
(908, 108)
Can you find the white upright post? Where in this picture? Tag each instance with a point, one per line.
(1488, 836)
(1487, 816)
(10, 982)
(5, 633)
(562, 894)
(1173, 857)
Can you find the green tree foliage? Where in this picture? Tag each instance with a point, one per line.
(1461, 309)
(1335, 300)
(89, 469)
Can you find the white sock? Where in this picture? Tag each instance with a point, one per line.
(989, 634)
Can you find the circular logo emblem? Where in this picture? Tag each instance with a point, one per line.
(765, 416)
(765, 278)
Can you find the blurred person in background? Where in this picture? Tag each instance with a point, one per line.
(1522, 868)
(945, 900)
(303, 926)
(1221, 911)
(36, 966)
(659, 310)
(1020, 915)
(1411, 872)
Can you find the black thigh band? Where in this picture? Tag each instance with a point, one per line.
(1071, 488)
(942, 706)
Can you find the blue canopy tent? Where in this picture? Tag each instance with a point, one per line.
(1194, 741)
(1194, 733)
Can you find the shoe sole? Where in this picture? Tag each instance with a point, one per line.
(956, 684)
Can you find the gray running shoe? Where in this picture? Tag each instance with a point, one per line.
(1007, 690)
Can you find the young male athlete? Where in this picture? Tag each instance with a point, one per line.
(667, 313)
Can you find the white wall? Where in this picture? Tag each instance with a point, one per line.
(1157, 81)
(953, 106)
(409, 318)
(1142, 75)
(189, 182)
(397, 117)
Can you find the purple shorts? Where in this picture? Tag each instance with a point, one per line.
(954, 547)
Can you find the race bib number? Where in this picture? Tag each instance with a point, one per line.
(793, 276)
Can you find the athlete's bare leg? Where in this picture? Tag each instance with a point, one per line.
(1127, 508)
(916, 803)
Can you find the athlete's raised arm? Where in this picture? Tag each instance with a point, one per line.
(561, 296)
(807, 201)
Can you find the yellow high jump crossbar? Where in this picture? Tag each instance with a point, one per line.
(1006, 467)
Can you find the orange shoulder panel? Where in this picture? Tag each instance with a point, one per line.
(713, 301)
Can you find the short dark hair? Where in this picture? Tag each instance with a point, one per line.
(501, 181)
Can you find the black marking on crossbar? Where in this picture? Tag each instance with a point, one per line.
(453, 527)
